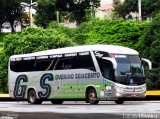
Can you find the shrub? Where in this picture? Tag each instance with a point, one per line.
(150, 49)
(28, 41)
(119, 32)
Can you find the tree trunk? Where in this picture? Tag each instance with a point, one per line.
(12, 26)
(0, 27)
(20, 20)
(1, 22)
(79, 15)
(92, 9)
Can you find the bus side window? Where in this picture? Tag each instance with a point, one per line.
(16, 66)
(42, 65)
(22, 66)
(27, 65)
(76, 62)
(106, 68)
(85, 62)
(65, 63)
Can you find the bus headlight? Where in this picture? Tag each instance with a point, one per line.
(118, 94)
(108, 87)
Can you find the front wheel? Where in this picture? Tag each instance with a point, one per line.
(92, 97)
(32, 98)
(119, 101)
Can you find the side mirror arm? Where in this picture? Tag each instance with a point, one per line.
(111, 60)
(148, 62)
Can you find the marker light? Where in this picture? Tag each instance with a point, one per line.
(113, 56)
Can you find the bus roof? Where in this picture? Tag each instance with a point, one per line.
(106, 48)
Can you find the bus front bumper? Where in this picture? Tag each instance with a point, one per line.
(124, 92)
(130, 95)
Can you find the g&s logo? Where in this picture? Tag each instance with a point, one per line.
(19, 89)
(21, 86)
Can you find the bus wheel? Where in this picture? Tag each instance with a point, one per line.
(92, 97)
(32, 98)
(56, 101)
(119, 101)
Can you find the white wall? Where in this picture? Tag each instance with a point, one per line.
(106, 1)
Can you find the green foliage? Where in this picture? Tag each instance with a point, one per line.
(151, 42)
(149, 7)
(2, 35)
(3, 73)
(150, 49)
(55, 25)
(77, 7)
(118, 32)
(153, 79)
(35, 39)
(45, 12)
(68, 31)
(28, 41)
(119, 9)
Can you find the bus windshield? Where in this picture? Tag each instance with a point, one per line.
(129, 70)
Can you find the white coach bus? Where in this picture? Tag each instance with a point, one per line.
(91, 73)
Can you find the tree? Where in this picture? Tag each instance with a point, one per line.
(151, 42)
(10, 11)
(45, 12)
(77, 7)
(28, 41)
(119, 9)
(150, 49)
(2, 13)
(13, 11)
(118, 32)
(149, 7)
(46, 9)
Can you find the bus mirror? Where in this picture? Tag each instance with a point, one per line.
(113, 61)
(148, 62)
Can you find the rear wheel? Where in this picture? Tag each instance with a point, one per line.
(32, 97)
(92, 97)
(56, 101)
(119, 101)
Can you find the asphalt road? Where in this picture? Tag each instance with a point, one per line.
(81, 110)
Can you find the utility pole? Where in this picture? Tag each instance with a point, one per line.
(31, 20)
(57, 15)
(92, 9)
(139, 11)
(30, 10)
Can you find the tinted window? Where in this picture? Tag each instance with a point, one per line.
(122, 60)
(85, 62)
(41, 65)
(16, 66)
(81, 61)
(27, 65)
(22, 66)
(31, 65)
(134, 59)
(66, 63)
(106, 68)
(76, 62)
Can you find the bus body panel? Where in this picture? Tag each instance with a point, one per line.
(60, 87)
